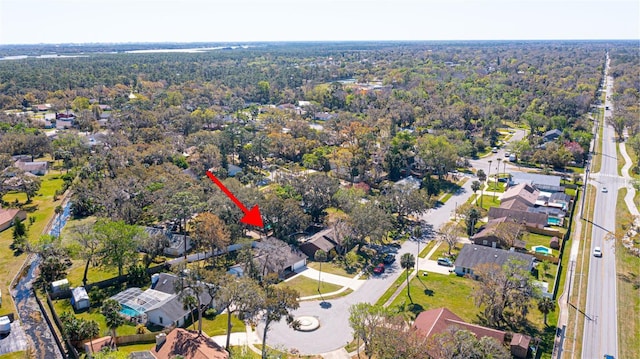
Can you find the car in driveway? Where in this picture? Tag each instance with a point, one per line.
(388, 259)
(445, 262)
(379, 269)
(597, 252)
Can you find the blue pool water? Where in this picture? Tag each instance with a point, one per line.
(542, 249)
(554, 221)
(129, 311)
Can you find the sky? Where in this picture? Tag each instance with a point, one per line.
(109, 21)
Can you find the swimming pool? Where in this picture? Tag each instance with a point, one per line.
(554, 221)
(542, 249)
(129, 312)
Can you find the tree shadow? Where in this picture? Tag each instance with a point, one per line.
(325, 305)
(429, 292)
(413, 308)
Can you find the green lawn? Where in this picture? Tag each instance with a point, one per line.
(218, 325)
(456, 294)
(14, 355)
(427, 248)
(534, 239)
(95, 274)
(392, 289)
(43, 210)
(489, 200)
(493, 186)
(135, 347)
(63, 305)
(443, 250)
(628, 268)
(330, 267)
(307, 286)
(439, 290)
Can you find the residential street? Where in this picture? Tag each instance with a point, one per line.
(600, 327)
(334, 314)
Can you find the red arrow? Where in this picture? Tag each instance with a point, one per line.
(251, 216)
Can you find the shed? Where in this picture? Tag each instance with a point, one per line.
(59, 285)
(79, 298)
(520, 345)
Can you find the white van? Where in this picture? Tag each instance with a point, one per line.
(5, 325)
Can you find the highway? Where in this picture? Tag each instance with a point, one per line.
(600, 326)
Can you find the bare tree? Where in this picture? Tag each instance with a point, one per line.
(450, 234)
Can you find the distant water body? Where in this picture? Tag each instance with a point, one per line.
(144, 51)
(47, 56)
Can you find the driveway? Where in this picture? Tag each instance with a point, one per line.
(334, 331)
(15, 341)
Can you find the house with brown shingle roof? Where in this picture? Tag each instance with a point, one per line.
(524, 191)
(189, 345)
(8, 217)
(436, 321)
(528, 219)
(322, 240)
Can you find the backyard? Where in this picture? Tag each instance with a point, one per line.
(41, 209)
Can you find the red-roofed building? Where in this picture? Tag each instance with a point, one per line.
(188, 344)
(8, 217)
(436, 321)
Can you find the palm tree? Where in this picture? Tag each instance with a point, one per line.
(320, 256)
(546, 305)
(91, 329)
(111, 311)
(408, 261)
(190, 303)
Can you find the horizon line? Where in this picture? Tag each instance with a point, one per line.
(303, 41)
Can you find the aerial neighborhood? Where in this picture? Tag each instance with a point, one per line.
(318, 200)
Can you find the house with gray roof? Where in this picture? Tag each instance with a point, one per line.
(472, 256)
(38, 168)
(551, 135)
(323, 240)
(177, 244)
(530, 220)
(536, 180)
(275, 256)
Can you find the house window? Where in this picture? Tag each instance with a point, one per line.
(485, 242)
(160, 320)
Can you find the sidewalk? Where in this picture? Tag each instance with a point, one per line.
(631, 191)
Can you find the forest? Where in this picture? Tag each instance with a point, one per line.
(314, 133)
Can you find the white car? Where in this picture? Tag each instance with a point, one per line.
(597, 252)
(5, 325)
(604, 190)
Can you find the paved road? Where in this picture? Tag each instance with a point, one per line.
(334, 331)
(600, 327)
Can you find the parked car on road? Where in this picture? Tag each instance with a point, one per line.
(445, 262)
